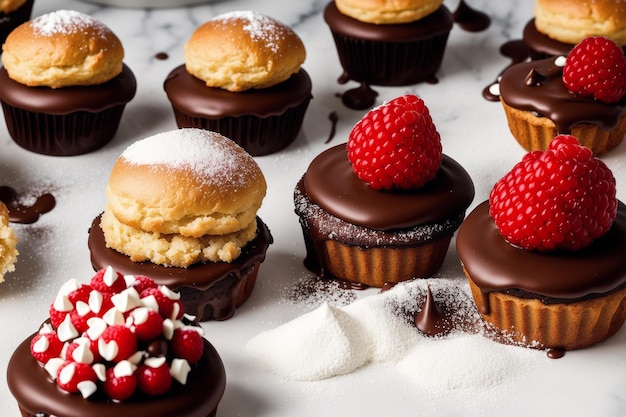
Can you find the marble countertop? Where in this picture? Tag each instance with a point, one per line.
(473, 131)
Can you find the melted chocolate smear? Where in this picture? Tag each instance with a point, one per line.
(518, 52)
(349, 285)
(21, 213)
(431, 320)
(555, 353)
(334, 118)
(162, 56)
(360, 98)
(470, 19)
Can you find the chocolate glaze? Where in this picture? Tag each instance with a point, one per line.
(38, 395)
(518, 52)
(162, 56)
(62, 101)
(192, 96)
(21, 213)
(542, 46)
(208, 291)
(548, 97)
(391, 55)
(470, 19)
(331, 183)
(431, 320)
(334, 118)
(557, 277)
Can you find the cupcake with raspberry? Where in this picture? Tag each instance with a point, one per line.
(387, 43)
(559, 25)
(64, 85)
(582, 95)
(12, 14)
(382, 208)
(116, 346)
(243, 78)
(544, 255)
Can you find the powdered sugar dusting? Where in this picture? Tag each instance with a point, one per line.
(260, 27)
(65, 22)
(207, 154)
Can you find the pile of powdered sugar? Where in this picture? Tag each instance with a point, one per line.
(335, 340)
(259, 27)
(65, 22)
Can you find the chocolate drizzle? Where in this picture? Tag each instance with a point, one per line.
(22, 213)
(518, 52)
(432, 320)
(470, 19)
(334, 118)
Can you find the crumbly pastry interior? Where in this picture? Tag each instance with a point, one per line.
(8, 6)
(388, 11)
(61, 49)
(8, 244)
(240, 50)
(182, 197)
(571, 21)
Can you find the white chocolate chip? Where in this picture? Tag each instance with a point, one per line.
(62, 303)
(82, 308)
(53, 366)
(179, 370)
(41, 345)
(169, 293)
(87, 388)
(97, 326)
(153, 362)
(101, 371)
(109, 277)
(108, 350)
(126, 300)
(113, 316)
(95, 301)
(66, 330)
(124, 368)
(559, 61)
(67, 373)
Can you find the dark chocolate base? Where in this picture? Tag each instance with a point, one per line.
(65, 121)
(38, 396)
(262, 121)
(542, 46)
(209, 291)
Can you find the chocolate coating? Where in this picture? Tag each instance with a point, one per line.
(495, 265)
(542, 46)
(210, 291)
(331, 183)
(62, 101)
(38, 395)
(192, 96)
(547, 96)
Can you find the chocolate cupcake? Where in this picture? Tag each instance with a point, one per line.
(243, 78)
(12, 14)
(358, 232)
(64, 86)
(182, 209)
(387, 43)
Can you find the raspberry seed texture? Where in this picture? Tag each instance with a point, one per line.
(562, 198)
(396, 145)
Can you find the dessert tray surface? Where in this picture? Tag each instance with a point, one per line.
(461, 375)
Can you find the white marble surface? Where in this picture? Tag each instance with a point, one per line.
(474, 132)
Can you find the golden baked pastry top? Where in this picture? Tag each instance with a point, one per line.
(240, 50)
(8, 243)
(62, 48)
(388, 11)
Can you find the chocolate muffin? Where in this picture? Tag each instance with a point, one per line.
(64, 86)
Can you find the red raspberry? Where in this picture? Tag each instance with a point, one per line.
(142, 282)
(562, 198)
(117, 343)
(81, 294)
(187, 344)
(56, 316)
(596, 67)
(396, 145)
(147, 324)
(70, 374)
(167, 306)
(154, 380)
(118, 283)
(45, 346)
(119, 388)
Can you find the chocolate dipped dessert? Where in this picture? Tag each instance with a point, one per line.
(544, 256)
(12, 14)
(182, 209)
(387, 43)
(539, 102)
(559, 25)
(367, 228)
(242, 77)
(64, 86)
(116, 346)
